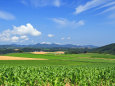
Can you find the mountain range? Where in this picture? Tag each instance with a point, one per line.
(39, 45)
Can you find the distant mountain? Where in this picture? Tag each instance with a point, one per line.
(109, 49)
(47, 46)
(65, 46)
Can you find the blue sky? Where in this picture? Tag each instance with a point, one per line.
(80, 22)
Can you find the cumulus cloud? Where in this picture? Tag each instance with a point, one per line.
(68, 24)
(6, 16)
(24, 37)
(20, 33)
(50, 35)
(5, 35)
(14, 39)
(26, 29)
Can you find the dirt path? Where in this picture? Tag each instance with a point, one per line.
(18, 58)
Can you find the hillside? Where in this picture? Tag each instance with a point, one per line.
(109, 49)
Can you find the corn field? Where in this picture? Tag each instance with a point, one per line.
(57, 76)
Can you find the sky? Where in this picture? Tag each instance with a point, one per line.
(79, 22)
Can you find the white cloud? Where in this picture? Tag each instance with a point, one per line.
(50, 35)
(61, 21)
(68, 38)
(19, 33)
(81, 22)
(42, 3)
(107, 10)
(58, 43)
(57, 3)
(5, 36)
(92, 4)
(65, 38)
(107, 5)
(50, 43)
(24, 37)
(45, 43)
(14, 39)
(68, 24)
(27, 29)
(6, 16)
(24, 2)
(62, 38)
(112, 16)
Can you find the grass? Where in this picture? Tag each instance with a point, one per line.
(42, 63)
(61, 59)
(62, 56)
(89, 57)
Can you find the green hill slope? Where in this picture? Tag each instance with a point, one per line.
(109, 49)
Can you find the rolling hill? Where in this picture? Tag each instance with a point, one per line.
(109, 49)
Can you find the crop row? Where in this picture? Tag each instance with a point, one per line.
(57, 76)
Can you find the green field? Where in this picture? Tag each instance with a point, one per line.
(62, 56)
(59, 70)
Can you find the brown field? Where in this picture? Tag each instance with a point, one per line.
(39, 52)
(58, 52)
(18, 58)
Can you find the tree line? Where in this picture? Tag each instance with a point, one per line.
(108, 49)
